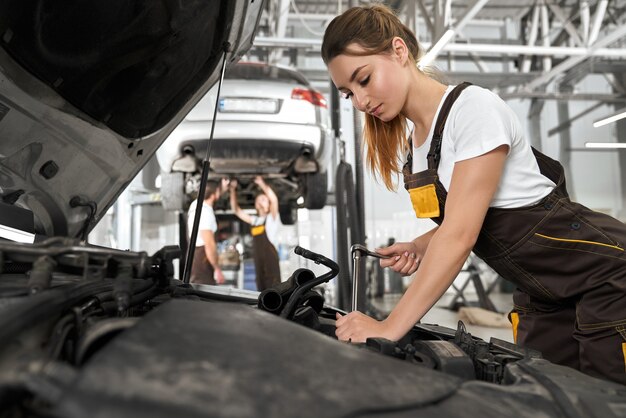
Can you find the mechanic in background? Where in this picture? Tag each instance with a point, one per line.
(264, 227)
(205, 269)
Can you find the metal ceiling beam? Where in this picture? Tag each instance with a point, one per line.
(427, 20)
(532, 37)
(480, 65)
(566, 22)
(612, 98)
(313, 16)
(597, 20)
(568, 123)
(585, 15)
(615, 83)
(490, 80)
(537, 50)
(545, 35)
(438, 18)
(447, 36)
(490, 49)
(618, 33)
(280, 29)
(469, 15)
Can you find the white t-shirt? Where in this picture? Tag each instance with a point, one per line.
(207, 221)
(479, 121)
(271, 226)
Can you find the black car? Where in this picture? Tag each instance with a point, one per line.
(88, 91)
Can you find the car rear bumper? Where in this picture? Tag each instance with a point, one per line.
(252, 156)
(248, 145)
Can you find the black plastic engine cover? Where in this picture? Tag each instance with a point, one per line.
(191, 358)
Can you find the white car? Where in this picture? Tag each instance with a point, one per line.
(270, 122)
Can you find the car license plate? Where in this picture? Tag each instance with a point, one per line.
(248, 105)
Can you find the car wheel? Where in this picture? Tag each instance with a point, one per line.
(315, 190)
(288, 213)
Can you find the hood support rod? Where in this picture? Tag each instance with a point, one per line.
(203, 178)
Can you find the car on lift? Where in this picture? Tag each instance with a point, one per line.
(270, 122)
(88, 91)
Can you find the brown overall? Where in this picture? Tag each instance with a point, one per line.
(567, 261)
(201, 269)
(265, 259)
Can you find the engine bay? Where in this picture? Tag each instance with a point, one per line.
(85, 327)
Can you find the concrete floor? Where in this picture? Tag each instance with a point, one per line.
(441, 315)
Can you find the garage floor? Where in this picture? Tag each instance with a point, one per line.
(440, 315)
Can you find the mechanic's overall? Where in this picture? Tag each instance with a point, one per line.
(524, 244)
(263, 230)
(502, 199)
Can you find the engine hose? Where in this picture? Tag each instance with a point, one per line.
(44, 305)
(136, 299)
(347, 219)
(274, 299)
(300, 291)
(138, 286)
(314, 300)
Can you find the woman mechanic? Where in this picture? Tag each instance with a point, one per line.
(264, 229)
(470, 168)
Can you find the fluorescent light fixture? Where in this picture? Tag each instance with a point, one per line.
(611, 145)
(432, 53)
(620, 114)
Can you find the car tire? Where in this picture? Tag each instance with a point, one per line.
(315, 190)
(288, 213)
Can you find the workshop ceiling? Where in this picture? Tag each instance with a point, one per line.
(517, 47)
(497, 9)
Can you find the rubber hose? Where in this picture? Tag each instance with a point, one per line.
(274, 299)
(314, 300)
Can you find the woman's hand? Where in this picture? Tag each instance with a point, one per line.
(233, 184)
(404, 257)
(224, 184)
(357, 327)
(258, 180)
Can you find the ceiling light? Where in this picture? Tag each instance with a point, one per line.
(620, 114)
(611, 145)
(432, 53)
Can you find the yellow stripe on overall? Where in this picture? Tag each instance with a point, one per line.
(257, 230)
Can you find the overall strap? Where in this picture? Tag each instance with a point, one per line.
(434, 153)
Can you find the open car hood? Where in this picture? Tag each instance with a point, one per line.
(90, 89)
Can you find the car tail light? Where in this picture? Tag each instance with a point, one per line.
(310, 96)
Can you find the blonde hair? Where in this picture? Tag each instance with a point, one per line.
(373, 28)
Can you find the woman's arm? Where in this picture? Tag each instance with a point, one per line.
(269, 192)
(473, 185)
(234, 205)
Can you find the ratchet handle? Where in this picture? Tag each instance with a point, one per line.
(364, 250)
